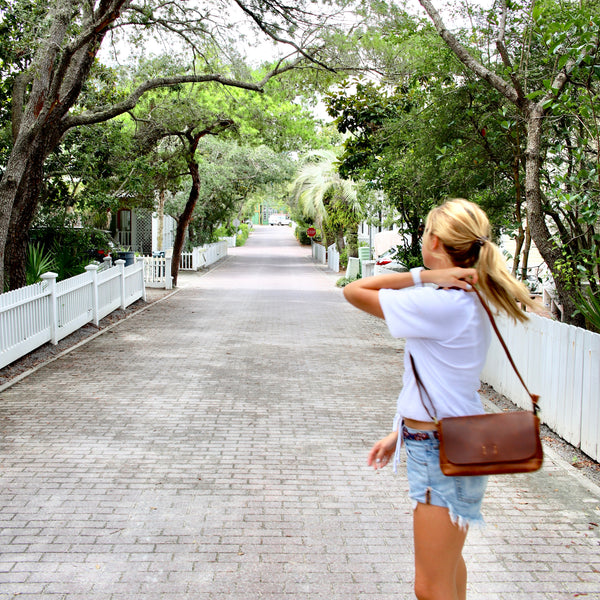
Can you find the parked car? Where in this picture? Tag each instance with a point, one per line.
(386, 262)
(279, 220)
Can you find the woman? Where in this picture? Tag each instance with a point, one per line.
(447, 335)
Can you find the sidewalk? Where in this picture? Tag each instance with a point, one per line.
(213, 446)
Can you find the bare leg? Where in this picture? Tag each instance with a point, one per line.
(440, 571)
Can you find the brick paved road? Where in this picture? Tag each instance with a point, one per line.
(213, 447)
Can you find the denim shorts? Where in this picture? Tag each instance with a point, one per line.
(462, 496)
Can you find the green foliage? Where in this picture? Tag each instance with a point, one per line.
(301, 235)
(39, 261)
(325, 197)
(588, 304)
(230, 174)
(344, 281)
(71, 248)
(344, 258)
(242, 235)
(363, 109)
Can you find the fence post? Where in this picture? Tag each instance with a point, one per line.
(168, 278)
(50, 280)
(141, 265)
(93, 272)
(120, 264)
(107, 260)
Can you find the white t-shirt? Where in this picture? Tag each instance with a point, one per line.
(448, 334)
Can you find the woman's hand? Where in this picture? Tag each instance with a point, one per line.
(382, 451)
(454, 277)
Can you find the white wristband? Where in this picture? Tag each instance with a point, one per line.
(416, 276)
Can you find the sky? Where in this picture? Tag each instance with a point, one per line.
(122, 51)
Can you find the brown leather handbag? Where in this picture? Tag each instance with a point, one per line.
(488, 444)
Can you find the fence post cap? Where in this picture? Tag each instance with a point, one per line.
(119, 261)
(92, 268)
(49, 275)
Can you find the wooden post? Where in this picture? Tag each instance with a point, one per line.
(50, 280)
(93, 272)
(140, 264)
(120, 263)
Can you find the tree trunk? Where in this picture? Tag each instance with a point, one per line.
(536, 217)
(518, 215)
(518, 247)
(185, 218)
(526, 250)
(16, 255)
(352, 241)
(340, 243)
(160, 219)
(12, 187)
(58, 71)
(22, 217)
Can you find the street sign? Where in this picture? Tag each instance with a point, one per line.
(311, 232)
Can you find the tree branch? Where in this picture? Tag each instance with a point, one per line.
(501, 47)
(507, 90)
(261, 25)
(105, 114)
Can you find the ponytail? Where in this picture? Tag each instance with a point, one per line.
(505, 292)
(464, 231)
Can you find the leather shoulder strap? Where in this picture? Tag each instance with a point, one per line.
(420, 385)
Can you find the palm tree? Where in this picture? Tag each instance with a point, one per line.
(327, 198)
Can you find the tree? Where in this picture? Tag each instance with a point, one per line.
(326, 197)
(56, 58)
(431, 136)
(216, 178)
(567, 36)
(232, 173)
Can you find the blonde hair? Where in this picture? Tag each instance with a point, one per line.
(464, 232)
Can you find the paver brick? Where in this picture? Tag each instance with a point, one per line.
(213, 447)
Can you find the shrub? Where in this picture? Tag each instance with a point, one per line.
(242, 235)
(588, 304)
(38, 262)
(344, 258)
(344, 281)
(301, 235)
(72, 248)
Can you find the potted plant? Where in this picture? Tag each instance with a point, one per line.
(123, 253)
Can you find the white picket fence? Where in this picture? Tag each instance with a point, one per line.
(333, 258)
(204, 256)
(231, 241)
(157, 269)
(214, 252)
(319, 253)
(157, 272)
(326, 256)
(559, 362)
(49, 311)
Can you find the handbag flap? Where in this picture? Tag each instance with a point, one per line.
(489, 438)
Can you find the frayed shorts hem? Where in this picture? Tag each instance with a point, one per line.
(463, 523)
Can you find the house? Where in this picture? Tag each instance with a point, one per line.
(143, 231)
